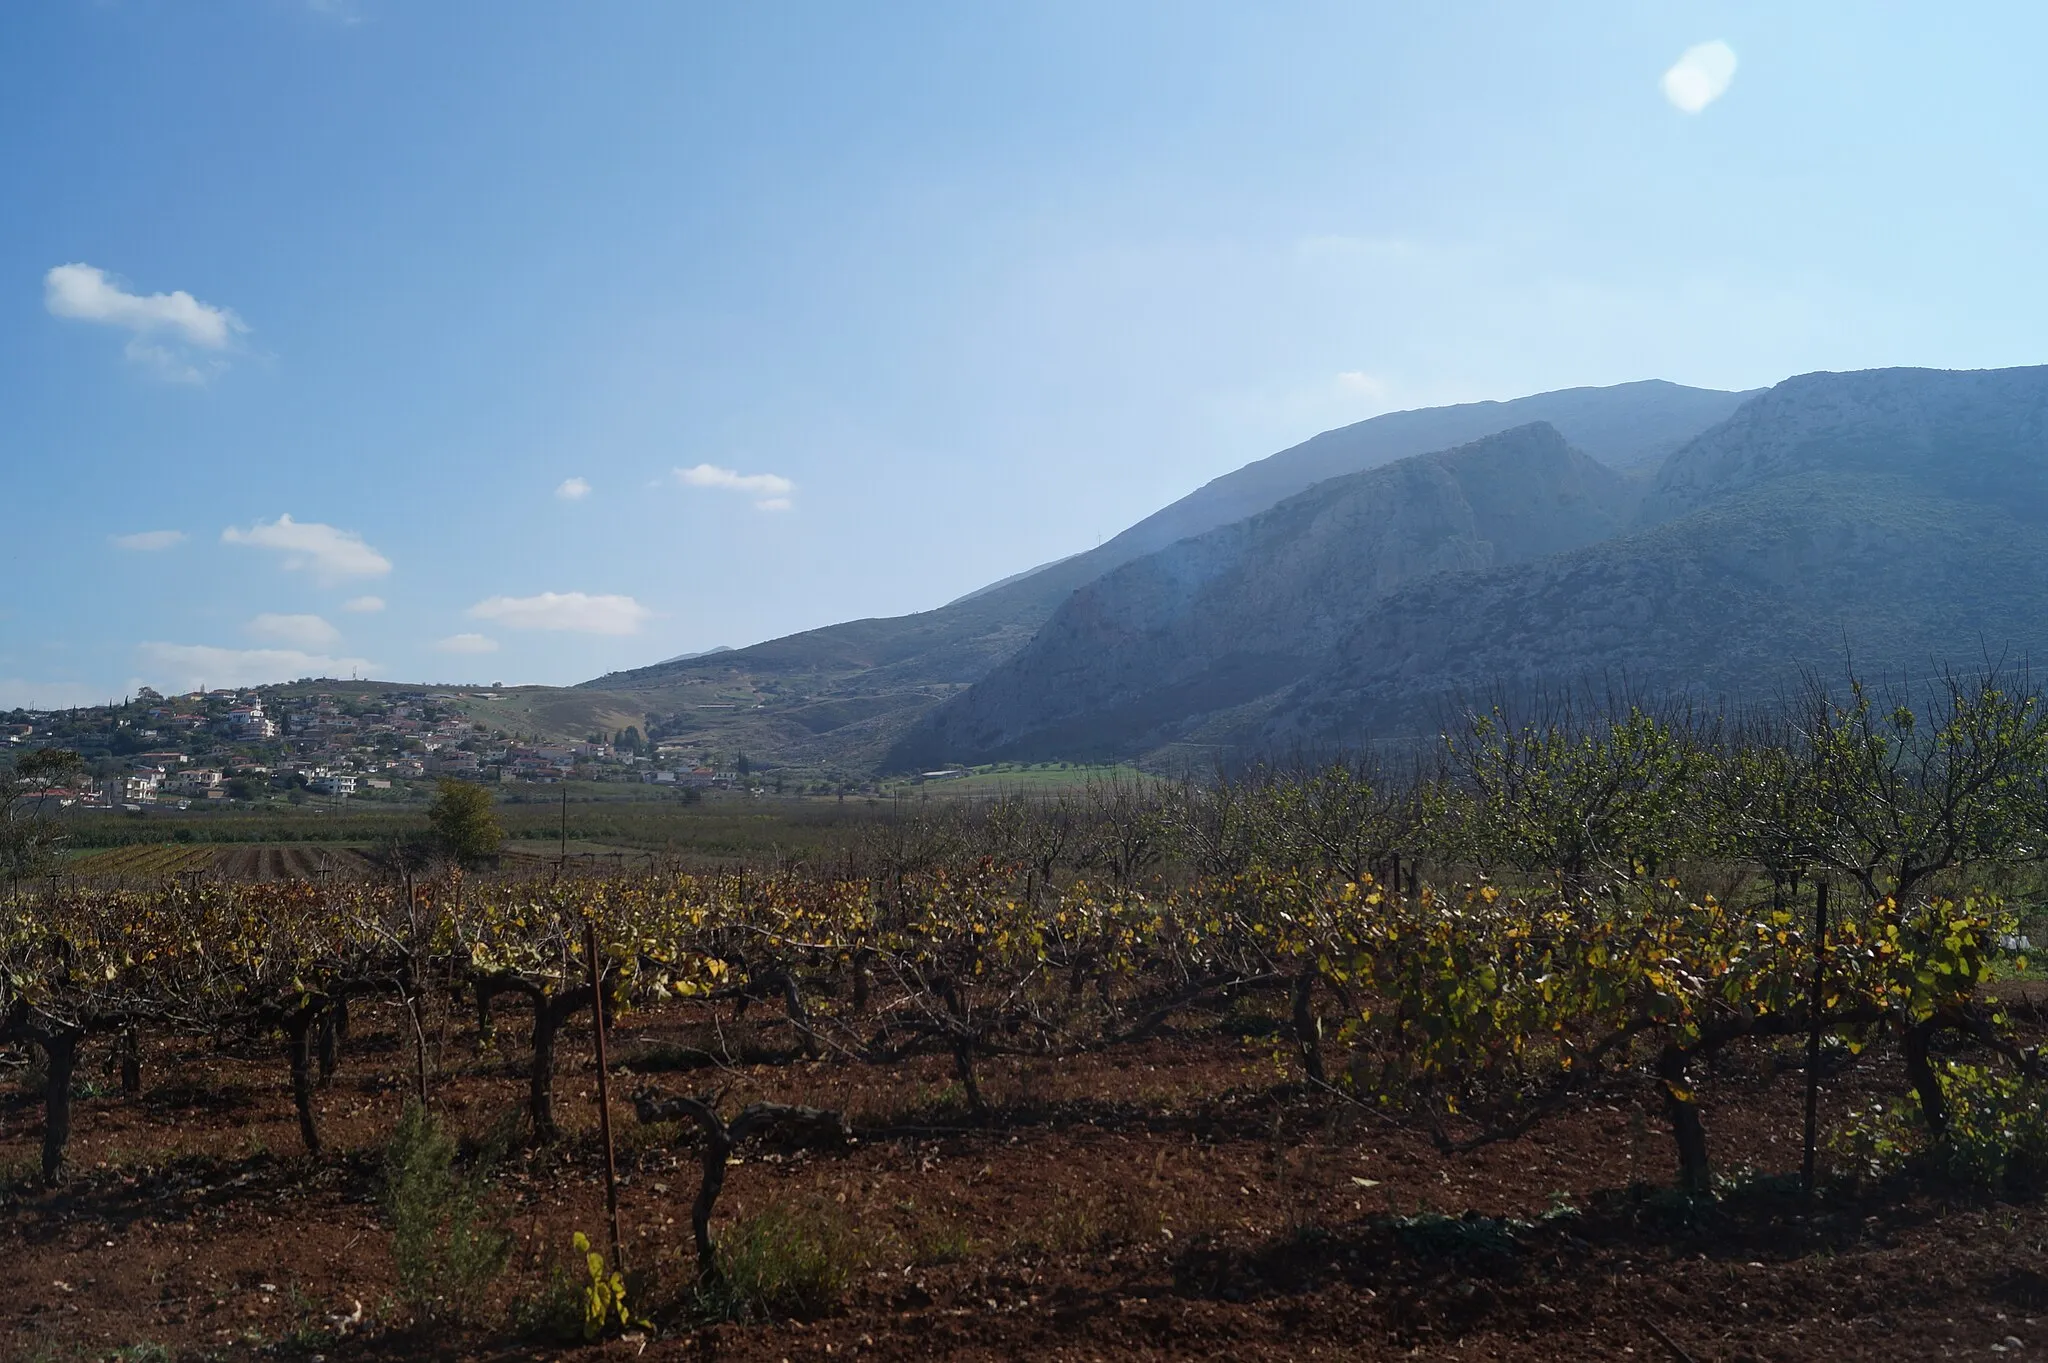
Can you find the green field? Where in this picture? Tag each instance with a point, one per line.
(601, 820)
(1041, 778)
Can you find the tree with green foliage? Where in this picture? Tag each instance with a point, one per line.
(465, 823)
(1576, 796)
(1912, 782)
(28, 838)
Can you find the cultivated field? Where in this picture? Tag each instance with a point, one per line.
(1180, 1197)
(1622, 1040)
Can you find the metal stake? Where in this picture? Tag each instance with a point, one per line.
(604, 1096)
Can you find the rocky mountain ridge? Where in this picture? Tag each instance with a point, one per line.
(843, 694)
(1899, 516)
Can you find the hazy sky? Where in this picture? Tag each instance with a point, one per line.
(524, 342)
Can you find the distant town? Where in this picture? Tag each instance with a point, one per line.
(292, 745)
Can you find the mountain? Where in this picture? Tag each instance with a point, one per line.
(1631, 426)
(692, 657)
(1224, 617)
(860, 684)
(1901, 515)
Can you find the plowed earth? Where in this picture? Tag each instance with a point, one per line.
(1177, 1199)
(148, 864)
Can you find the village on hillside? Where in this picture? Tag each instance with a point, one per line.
(300, 746)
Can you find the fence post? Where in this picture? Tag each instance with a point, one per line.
(604, 1094)
(1813, 1017)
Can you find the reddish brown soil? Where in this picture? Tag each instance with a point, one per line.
(1179, 1199)
(257, 862)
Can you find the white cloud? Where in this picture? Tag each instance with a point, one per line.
(298, 631)
(468, 643)
(332, 555)
(147, 541)
(363, 605)
(164, 328)
(573, 489)
(185, 667)
(1364, 384)
(575, 611)
(1700, 76)
(771, 490)
(85, 292)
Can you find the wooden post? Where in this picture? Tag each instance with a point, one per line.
(1813, 1012)
(604, 1095)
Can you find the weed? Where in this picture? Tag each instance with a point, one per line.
(1997, 1132)
(447, 1245)
(583, 1302)
(1089, 1224)
(142, 1353)
(1676, 1208)
(936, 1242)
(1997, 1139)
(1434, 1235)
(310, 1332)
(643, 1138)
(787, 1260)
(931, 1105)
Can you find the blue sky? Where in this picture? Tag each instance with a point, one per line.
(515, 341)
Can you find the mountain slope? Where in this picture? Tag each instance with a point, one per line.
(1627, 426)
(1729, 602)
(1899, 514)
(1223, 617)
(917, 660)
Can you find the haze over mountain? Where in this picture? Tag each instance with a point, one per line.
(1223, 617)
(844, 692)
(1899, 514)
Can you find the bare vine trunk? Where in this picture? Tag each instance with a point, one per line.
(298, 1050)
(548, 1016)
(60, 1051)
(131, 1063)
(1695, 1173)
(1308, 1028)
(1921, 1074)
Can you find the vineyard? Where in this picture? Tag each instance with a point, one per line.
(140, 865)
(1621, 1037)
(143, 862)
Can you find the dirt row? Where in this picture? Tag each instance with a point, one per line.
(1183, 1198)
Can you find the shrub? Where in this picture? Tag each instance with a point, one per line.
(1998, 1132)
(448, 1245)
(1997, 1140)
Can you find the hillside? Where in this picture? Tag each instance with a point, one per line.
(1221, 618)
(1900, 515)
(1631, 426)
(842, 695)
